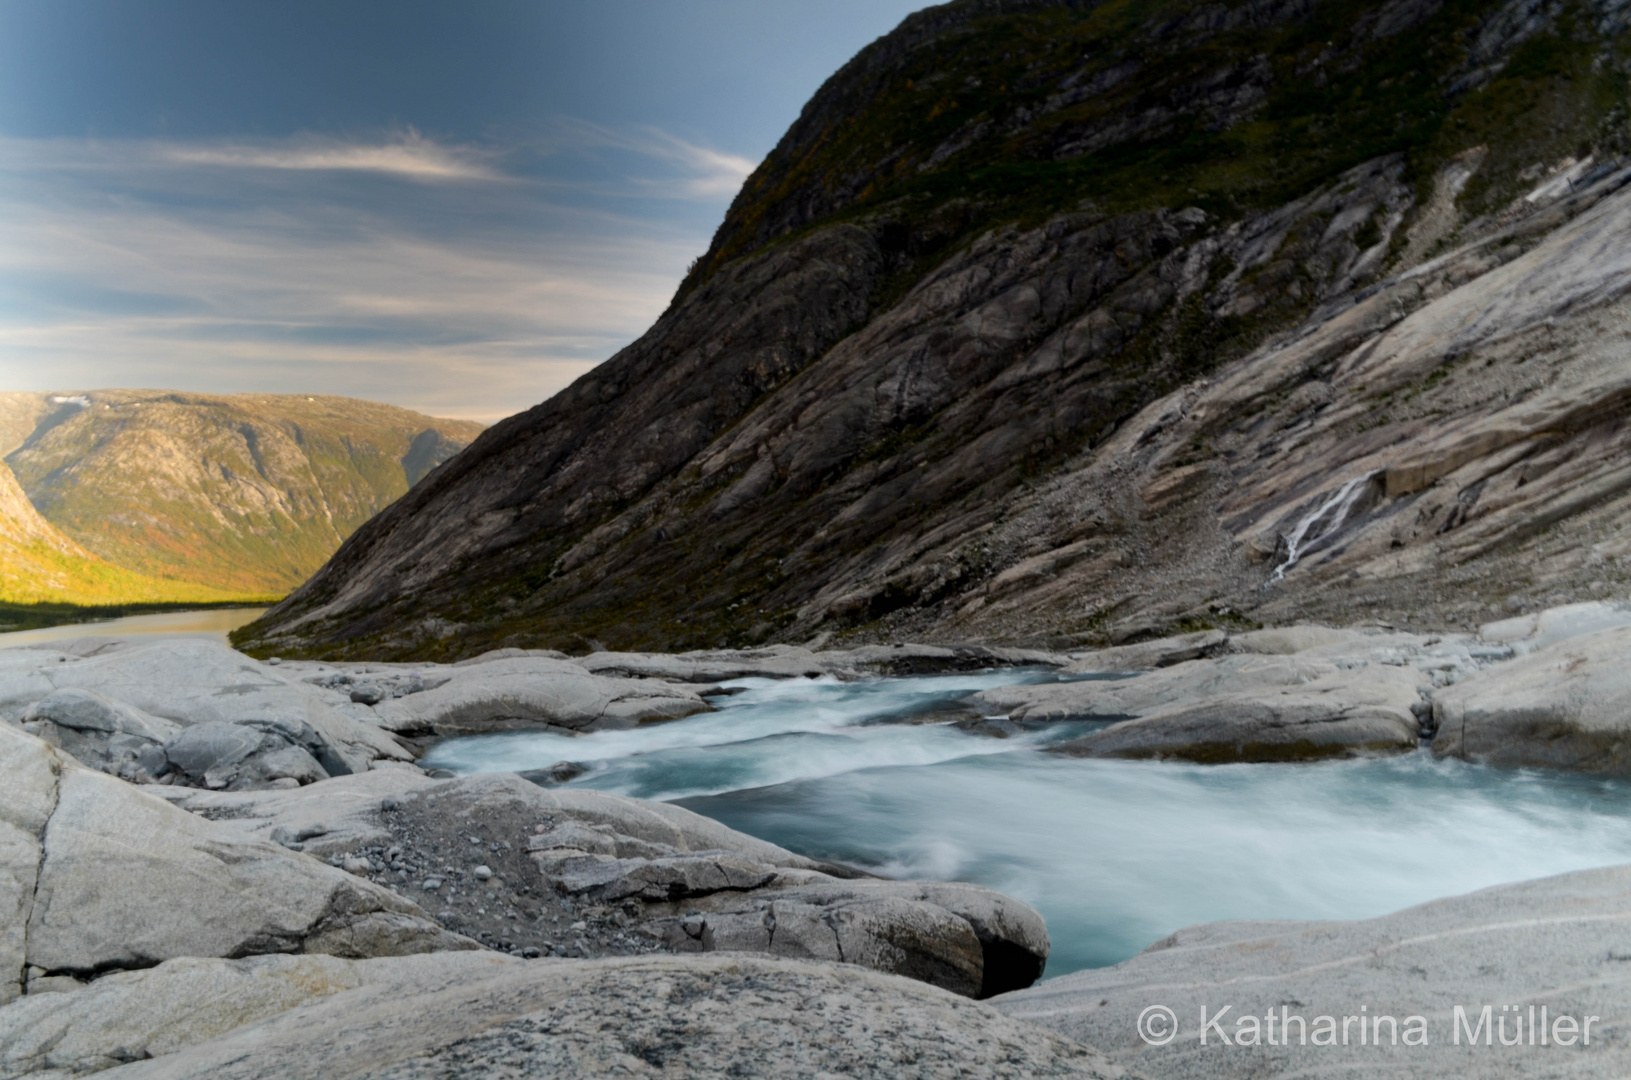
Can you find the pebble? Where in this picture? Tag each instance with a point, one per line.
(353, 865)
(431, 884)
(483, 872)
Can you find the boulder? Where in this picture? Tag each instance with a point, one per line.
(99, 876)
(1336, 712)
(191, 681)
(531, 692)
(1232, 708)
(1564, 706)
(1144, 655)
(1554, 943)
(670, 1016)
(212, 747)
(100, 733)
(1526, 633)
(88, 711)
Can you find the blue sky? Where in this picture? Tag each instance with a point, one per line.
(456, 206)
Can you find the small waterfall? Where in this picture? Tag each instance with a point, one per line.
(1326, 518)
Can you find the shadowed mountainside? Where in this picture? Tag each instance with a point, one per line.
(1076, 322)
(217, 496)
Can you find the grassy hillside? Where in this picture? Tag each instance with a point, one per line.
(39, 565)
(215, 495)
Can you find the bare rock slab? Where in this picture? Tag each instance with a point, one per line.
(120, 879)
(1233, 708)
(1564, 706)
(1553, 943)
(672, 1016)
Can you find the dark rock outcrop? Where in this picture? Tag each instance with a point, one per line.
(1052, 320)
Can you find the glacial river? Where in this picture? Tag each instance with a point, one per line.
(1115, 854)
(210, 622)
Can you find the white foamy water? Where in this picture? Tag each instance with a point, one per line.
(1115, 854)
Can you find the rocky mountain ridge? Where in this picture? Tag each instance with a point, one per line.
(198, 496)
(1053, 322)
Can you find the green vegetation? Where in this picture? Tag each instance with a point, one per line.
(205, 497)
(1311, 99)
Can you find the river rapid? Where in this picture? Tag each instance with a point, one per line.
(1115, 854)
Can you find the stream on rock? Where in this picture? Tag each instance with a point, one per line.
(1115, 854)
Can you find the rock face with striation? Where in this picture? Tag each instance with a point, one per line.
(1054, 323)
(98, 876)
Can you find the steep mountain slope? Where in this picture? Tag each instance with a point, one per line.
(40, 565)
(243, 494)
(938, 373)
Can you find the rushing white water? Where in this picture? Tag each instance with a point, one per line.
(1116, 854)
(1328, 517)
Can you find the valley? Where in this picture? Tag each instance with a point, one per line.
(119, 497)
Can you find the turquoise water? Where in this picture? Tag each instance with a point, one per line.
(1115, 854)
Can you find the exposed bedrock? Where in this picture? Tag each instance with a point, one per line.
(634, 871)
(1555, 943)
(1006, 364)
(666, 1016)
(99, 875)
(1565, 706)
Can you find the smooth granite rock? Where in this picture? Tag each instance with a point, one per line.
(1564, 706)
(133, 1015)
(672, 1016)
(1233, 708)
(31, 771)
(1144, 655)
(1526, 633)
(155, 689)
(661, 865)
(1558, 943)
(99, 875)
(1336, 711)
(532, 692)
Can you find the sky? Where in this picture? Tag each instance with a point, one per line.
(458, 207)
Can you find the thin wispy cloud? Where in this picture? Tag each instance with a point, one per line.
(694, 171)
(408, 155)
(309, 264)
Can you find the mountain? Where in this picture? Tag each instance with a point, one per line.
(1074, 322)
(218, 496)
(39, 565)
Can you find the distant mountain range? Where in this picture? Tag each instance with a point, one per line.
(124, 496)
